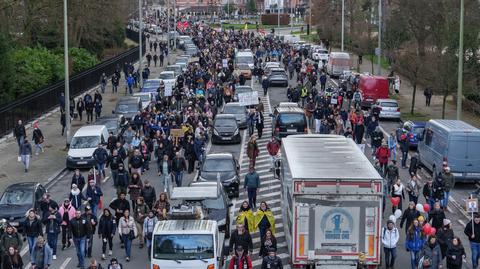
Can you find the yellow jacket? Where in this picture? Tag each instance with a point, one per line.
(250, 219)
(259, 216)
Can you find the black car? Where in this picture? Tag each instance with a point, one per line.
(17, 199)
(128, 107)
(289, 120)
(225, 130)
(224, 165)
(277, 79)
(112, 124)
(207, 196)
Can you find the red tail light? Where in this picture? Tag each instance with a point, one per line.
(398, 109)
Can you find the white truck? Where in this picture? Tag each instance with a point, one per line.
(333, 200)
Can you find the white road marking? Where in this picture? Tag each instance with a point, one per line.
(105, 179)
(24, 251)
(65, 263)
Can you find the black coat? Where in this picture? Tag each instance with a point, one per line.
(436, 217)
(458, 252)
(107, 226)
(409, 215)
(32, 229)
(149, 194)
(78, 227)
(53, 224)
(79, 181)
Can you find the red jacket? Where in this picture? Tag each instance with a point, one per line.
(273, 147)
(240, 263)
(382, 154)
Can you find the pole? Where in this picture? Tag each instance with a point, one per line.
(67, 77)
(140, 56)
(460, 64)
(379, 56)
(174, 25)
(310, 16)
(278, 14)
(228, 9)
(343, 24)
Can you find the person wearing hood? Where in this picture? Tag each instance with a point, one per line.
(264, 219)
(52, 229)
(390, 237)
(410, 214)
(32, 228)
(474, 237)
(78, 179)
(445, 236)
(76, 197)
(431, 253)
(455, 254)
(106, 230)
(148, 193)
(41, 256)
(67, 212)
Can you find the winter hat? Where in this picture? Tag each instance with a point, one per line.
(74, 186)
(421, 218)
(446, 222)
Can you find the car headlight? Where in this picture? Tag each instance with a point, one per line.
(215, 132)
(236, 132)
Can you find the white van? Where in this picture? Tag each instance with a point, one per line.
(244, 58)
(83, 144)
(337, 63)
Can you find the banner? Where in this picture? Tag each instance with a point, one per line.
(248, 98)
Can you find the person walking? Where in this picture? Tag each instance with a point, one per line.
(67, 212)
(472, 232)
(392, 175)
(272, 261)
(41, 257)
(273, 147)
(79, 227)
(436, 216)
(114, 264)
(392, 145)
(252, 150)
(251, 185)
(397, 191)
(115, 83)
(114, 161)
(404, 147)
(428, 93)
(162, 206)
(240, 259)
(134, 189)
(414, 242)
(390, 237)
(179, 166)
(130, 83)
(80, 108)
(448, 180)
(98, 109)
(32, 228)
(267, 242)
(409, 215)
(149, 58)
(101, 157)
(413, 189)
(128, 231)
(107, 226)
(445, 236)
(25, 153)
(155, 60)
(148, 226)
(89, 107)
(259, 123)
(92, 221)
(94, 194)
(264, 219)
(162, 59)
(78, 179)
(141, 211)
(246, 217)
(382, 154)
(94, 265)
(455, 254)
(52, 229)
(63, 122)
(20, 133)
(38, 138)
(148, 193)
(10, 238)
(12, 259)
(431, 254)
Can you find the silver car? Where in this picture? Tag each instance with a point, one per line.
(389, 109)
(239, 111)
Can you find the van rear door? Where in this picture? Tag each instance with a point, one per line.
(463, 155)
(473, 155)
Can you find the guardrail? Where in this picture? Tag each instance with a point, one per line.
(40, 102)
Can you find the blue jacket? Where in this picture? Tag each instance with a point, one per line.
(47, 256)
(130, 81)
(252, 180)
(415, 241)
(95, 198)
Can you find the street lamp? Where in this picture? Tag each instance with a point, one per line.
(67, 77)
(379, 52)
(140, 64)
(460, 64)
(343, 24)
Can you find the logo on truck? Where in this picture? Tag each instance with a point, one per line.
(337, 224)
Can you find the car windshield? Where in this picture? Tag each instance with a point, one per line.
(17, 197)
(234, 110)
(218, 165)
(293, 118)
(84, 142)
(127, 108)
(418, 130)
(183, 246)
(242, 90)
(214, 203)
(225, 123)
(172, 68)
(144, 97)
(388, 104)
(110, 124)
(278, 72)
(167, 76)
(151, 84)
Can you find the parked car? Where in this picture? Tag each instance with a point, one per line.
(128, 107)
(151, 85)
(17, 199)
(288, 121)
(225, 165)
(277, 76)
(389, 109)
(320, 54)
(84, 142)
(413, 130)
(225, 130)
(112, 124)
(241, 89)
(145, 97)
(177, 69)
(239, 111)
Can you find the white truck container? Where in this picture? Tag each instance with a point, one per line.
(333, 200)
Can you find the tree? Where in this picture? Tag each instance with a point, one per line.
(409, 64)
(229, 8)
(7, 75)
(251, 6)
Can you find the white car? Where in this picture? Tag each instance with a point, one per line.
(320, 54)
(145, 97)
(169, 79)
(389, 109)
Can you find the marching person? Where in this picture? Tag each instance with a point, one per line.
(273, 147)
(67, 212)
(41, 257)
(25, 153)
(431, 256)
(266, 242)
(472, 232)
(92, 221)
(128, 231)
(251, 185)
(141, 211)
(38, 138)
(52, 229)
(390, 237)
(272, 261)
(12, 259)
(252, 150)
(106, 230)
(241, 259)
(455, 254)
(32, 228)
(264, 219)
(94, 194)
(148, 227)
(78, 228)
(414, 242)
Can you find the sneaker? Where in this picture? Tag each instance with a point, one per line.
(128, 259)
(109, 253)
(54, 257)
(63, 247)
(103, 256)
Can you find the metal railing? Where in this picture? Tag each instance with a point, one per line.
(40, 102)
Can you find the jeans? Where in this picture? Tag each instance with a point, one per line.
(52, 242)
(26, 161)
(475, 247)
(38, 148)
(310, 122)
(65, 235)
(128, 244)
(390, 255)
(252, 196)
(318, 123)
(412, 198)
(80, 248)
(178, 178)
(101, 168)
(106, 240)
(404, 158)
(94, 208)
(114, 88)
(414, 258)
(114, 173)
(31, 243)
(393, 154)
(444, 202)
(149, 247)
(88, 245)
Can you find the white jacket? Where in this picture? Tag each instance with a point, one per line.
(390, 237)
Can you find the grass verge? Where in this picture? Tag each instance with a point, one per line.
(415, 117)
(383, 61)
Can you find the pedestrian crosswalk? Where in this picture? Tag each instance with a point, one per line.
(269, 191)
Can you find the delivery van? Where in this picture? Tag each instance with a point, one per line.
(373, 88)
(83, 144)
(337, 63)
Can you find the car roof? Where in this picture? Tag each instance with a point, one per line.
(288, 104)
(173, 65)
(166, 72)
(454, 125)
(219, 155)
(89, 130)
(100, 120)
(130, 99)
(155, 79)
(244, 87)
(142, 93)
(290, 109)
(225, 116)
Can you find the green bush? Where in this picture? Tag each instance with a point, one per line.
(81, 59)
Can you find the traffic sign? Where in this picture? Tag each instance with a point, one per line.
(472, 205)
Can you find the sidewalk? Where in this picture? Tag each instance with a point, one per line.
(50, 163)
(434, 111)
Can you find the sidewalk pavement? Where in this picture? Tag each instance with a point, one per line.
(434, 111)
(49, 164)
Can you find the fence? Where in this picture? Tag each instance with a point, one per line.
(40, 102)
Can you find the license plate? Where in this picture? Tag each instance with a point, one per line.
(83, 162)
(292, 130)
(226, 138)
(457, 174)
(14, 223)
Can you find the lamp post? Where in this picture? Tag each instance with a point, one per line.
(379, 56)
(140, 56)
(460, 64)
(343, 24)
(67, 77)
